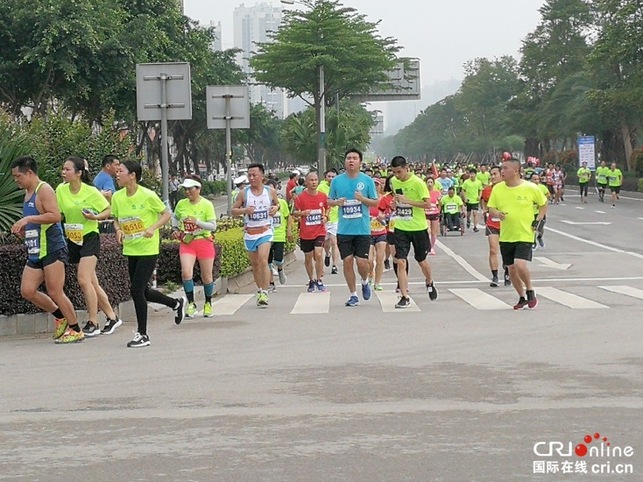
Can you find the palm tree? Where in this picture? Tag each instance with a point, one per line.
(12, 146)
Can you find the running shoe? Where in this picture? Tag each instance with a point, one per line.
(207, 309)
(327, 260)
(387, 264)
(507, 280)
(262, 298)
(522, 304)
(60, 327)
(532, 301)
(353, 301)
(432, 291)
(404, 302)
(541, 241)
(181, 304)
(311, 286)
(282, 276)
(91, 329)
(494, 282)
(111, 325)
(432, 252)
(334, 270)
(139, 341)
(274, 271)
(191, 310)
(366, 291)
(475, 229)
(70, 336)
(320, 285)
(377, 287)
(272, 288)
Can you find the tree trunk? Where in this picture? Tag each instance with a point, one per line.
(627, 144)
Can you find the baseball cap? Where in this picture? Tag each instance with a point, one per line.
(241, 179)
(295, 171)
(190, 183)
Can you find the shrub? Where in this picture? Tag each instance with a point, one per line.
(168, 267)
(234, 258)
(636, 160)
(111, 272)
(640, 189)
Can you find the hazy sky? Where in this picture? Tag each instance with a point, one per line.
(443, 34)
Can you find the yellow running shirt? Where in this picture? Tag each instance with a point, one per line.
(518, 205)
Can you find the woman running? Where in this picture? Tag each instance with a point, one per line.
(377, 251)
(433, 213)
(82, 206)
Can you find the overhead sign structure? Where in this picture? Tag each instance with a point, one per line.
(404, 84)
(163, 92)
(228, 107)
(587, 151)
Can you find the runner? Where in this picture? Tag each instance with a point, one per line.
(310, 207)
(82, 206)
(452, 209)
(377, 251)
(282, 228)
(386, 207)
(354, 192)
(194, 223)
(584, 176)
(46, 250)
(472, 187)
(330, 243)
(615, 180)
(139, 213)
(411, 199)
(540, 230)
(433, 213)
(492, 230)
(601, 180)
(258, 204)
(512, 202)
(484, 176)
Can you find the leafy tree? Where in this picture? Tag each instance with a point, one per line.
(12, 146)
(353, 55)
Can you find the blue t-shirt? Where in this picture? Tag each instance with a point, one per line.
(354, 217)
(104, 182)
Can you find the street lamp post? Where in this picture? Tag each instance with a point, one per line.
(321, 143)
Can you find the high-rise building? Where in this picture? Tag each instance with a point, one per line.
(252, 25)
(217, 45)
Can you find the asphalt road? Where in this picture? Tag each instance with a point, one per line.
(448, 391)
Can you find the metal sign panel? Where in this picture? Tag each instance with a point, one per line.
(587, 151)
(405, 84)
(149, 91)
(239, 108)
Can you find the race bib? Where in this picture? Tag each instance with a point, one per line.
(32, 241)
(74, 233)
(352, 209)
(314, 218)
(376, 225)
(258, 216)
(132, 228)
(404, 213)
(189, 226)
(276, 221)
(452, 207)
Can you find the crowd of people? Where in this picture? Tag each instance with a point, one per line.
(367, 216)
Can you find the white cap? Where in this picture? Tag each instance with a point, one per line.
(296, 172)
(191, 183)
(241, 179)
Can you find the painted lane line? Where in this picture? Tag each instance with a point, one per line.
(388, 299)
(479, 299)
(229, 304)
(568, 299)
(578, 207)
(603, 212)
(312, 303)
(462, 262)
(548, 263)
(594, 243)
(585, 223)
(624, 290)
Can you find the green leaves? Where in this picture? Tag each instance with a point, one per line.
(12, 146)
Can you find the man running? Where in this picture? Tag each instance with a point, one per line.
(512, 201)
(330, 243)
(354, 192)
(472, 188)
(615, 180)
(411, 199)
(584, 175)
(492, 230)
(601, 180)
(258, 204)
(46, 250)
(310, 207)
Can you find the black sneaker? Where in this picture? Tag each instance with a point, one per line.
(387, 264)
(139, 341)
(91, 329)
(334, 270)
(522, 304)
(111, 325)
(433, 293)
(180, 310)
(507, 280)
(327, 261)
(404, 302)
(494, 282)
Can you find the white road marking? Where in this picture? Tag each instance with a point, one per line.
(584, 223)
(312, 303)
(462, 262)
(479, 299)
(229, 304)
(548, 263)
(568, 299)
(603, 212)
(594, 243)
(578, 207)
(624, 290)
(388, 299)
